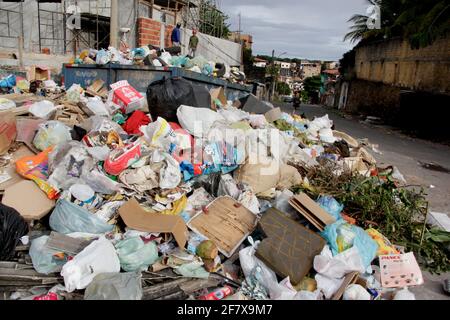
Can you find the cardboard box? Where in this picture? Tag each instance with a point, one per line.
(8, 130)
(226, 222)
(26, 197)
(273, 115)
(400, 270)
(135, 217)
(219, 95)
(290, 247)
(256, 106)
(38, 73)
(308, 208)
(126, 97)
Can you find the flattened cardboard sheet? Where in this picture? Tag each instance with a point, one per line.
(227, 223)
(290, 247)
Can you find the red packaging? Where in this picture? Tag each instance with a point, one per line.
(126, 97)
(49, 296)
(218, 294)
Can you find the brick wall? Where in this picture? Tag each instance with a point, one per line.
(149, 32)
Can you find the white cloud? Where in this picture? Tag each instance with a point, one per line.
(304, 28)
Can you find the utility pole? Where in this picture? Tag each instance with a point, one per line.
(273, 74)
(114, 25)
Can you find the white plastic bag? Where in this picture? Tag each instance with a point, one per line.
(356, 292)
(166, 57)
(99, 257)
(328, 286)
(197, 121)
(42, 109)
(250, 264)
(339, 265)
(6, 104)
(51, 133)
(97, 106)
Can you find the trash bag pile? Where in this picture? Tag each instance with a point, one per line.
(138, 192)
(155, 57)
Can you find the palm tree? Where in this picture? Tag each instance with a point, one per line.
(419, 21)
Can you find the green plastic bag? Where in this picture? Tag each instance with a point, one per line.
(135, 255)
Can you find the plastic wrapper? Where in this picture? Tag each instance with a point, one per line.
(384, 245)
(115, 286)
(135, 255)
(6, 104)
(42, 109)
(101, 183)
(159, 134)
(43, 257)
(97, 106)
(68, 217)
(51, 133)
(35, 168)
(99, 257)
(69, 164)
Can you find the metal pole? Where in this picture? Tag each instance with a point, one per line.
(20, 52)
(114, 24)
(39, 27)
(273, 74)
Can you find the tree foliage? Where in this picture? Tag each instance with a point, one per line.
(283, 89)
(419, 21)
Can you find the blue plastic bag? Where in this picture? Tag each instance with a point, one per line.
(43, 257)
(341, 236)
(68, 217)
(330, 205)
(8, 82)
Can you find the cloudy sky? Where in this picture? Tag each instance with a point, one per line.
(312, 29)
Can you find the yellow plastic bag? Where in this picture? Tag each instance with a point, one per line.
(384, 245)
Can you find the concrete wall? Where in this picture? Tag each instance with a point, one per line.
(395, 63)
(212, 48)
(30, 23)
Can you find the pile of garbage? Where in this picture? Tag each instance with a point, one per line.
(155, 57)
(111, 195)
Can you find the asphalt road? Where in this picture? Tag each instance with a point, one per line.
(406, 154)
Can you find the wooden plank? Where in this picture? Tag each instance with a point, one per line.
(67, 244)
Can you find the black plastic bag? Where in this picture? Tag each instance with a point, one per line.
(166, 96)
(12, 228)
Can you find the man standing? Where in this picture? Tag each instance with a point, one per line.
(176, 36)
(193, 43)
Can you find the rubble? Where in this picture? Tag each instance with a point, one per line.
(183, 194)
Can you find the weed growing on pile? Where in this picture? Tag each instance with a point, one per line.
(398, 213)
